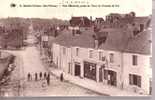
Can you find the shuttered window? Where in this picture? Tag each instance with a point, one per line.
(135, 80)
(130, 79)
(77, 51)
(139, 81)
(134, 60)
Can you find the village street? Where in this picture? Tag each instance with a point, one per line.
(29, 61)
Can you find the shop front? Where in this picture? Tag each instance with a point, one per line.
(90, 70)
(111, 77)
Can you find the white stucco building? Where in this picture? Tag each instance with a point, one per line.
(113, 56)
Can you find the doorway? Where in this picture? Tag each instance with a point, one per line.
(77, 69)
(101, 74)
(111, 76)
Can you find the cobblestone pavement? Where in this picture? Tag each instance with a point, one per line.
(28, 61)
(32, 64)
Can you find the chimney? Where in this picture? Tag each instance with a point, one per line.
(90, 18)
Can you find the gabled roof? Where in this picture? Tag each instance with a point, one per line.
(116, 40)
(80, 21)
(99, 18)
(141, 19)
(140, 44)
(85, 39)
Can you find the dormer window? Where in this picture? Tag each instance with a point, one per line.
(135, 31)
(103, 37)
(99, 38)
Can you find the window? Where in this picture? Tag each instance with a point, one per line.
(111, 57)
(90, 53)
(135, 80)
(69, 68)
(150, 83)
(150, 62)
(106, 74)
(134, 60)
(64, 50)
(77, 51)
(100, 55)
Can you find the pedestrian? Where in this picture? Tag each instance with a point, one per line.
(36, 77)
(40, 75)
(45, 75)
(48, 79)
(28, 76)
(61, 77)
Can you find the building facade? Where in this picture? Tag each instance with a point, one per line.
(123, 70)
(119, 57)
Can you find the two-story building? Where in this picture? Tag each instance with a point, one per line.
(113, 56)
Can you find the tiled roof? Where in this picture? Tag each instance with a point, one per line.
(117, 40)
(85, 39)
(140, 44)
(80, 21)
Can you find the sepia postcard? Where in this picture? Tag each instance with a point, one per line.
(75, 48)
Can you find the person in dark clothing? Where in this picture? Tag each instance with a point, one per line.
(48, 79)
(45, 75)
(28, 76)
(40, 75)
(61, 77)
(36, 77)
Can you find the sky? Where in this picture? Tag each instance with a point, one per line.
(141, 7)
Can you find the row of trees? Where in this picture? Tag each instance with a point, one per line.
(12, 32)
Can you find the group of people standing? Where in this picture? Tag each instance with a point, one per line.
(39, 76)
